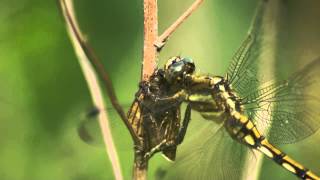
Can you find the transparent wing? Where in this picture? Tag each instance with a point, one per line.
(291, 106)
(88, 128)
(242, 73)
(212, 154)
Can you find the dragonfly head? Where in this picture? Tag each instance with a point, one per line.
(176, 68)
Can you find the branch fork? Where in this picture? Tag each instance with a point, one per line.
(91, 66)
(153, 43)
(161, 40)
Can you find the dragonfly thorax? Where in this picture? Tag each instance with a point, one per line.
(231, 100)
(225, 98)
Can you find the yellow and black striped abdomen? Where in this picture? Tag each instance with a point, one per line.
(243, 130)
(285, 161)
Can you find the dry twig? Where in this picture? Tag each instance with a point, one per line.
(96, 62)
(81, 50)
(165, 35)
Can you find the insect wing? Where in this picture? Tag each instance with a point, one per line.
(243, 73)
(291, 106)
(288, 105)
(211, 154)
(89, 129)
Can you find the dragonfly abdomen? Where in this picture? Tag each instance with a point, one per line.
(238, 125)
(244, 131)
(285, 161)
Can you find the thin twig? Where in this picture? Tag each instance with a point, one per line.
(92, 81)
(165, 35)
(96, 62)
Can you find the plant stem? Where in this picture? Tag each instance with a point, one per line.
(98, 66)
(92, 82)
(165, 35)
(150, 12)
(151, 48)
(150, 22)
(140, 167)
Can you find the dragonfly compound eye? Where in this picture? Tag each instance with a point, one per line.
(189, 65)
(176, 67)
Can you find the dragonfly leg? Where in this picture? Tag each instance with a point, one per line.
(156, 149)
(169, 144)
(176, 98)
(148, 90)
(185, 123)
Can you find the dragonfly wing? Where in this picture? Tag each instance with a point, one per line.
(212, 154)
(88, 128)
(291, 106)
(243, 73)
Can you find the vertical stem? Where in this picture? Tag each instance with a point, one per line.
(140, 167)
(150, 12)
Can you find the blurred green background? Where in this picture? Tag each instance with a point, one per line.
(43, 93)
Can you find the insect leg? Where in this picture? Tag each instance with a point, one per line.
(185, 123)
(177, 97)
(156, 149)
(182, 132)
(174, 100)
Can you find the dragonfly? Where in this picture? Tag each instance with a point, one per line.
(155, 114)
(287, 105)
(294, 117)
